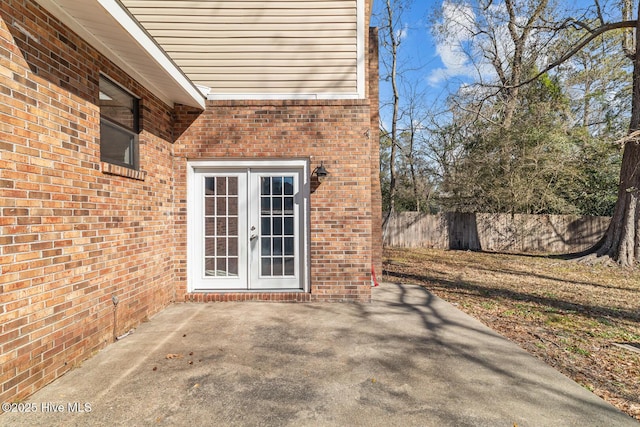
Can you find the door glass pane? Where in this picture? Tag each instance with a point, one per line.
(233, 266)
(233, 246)
(220, 226)
(209, 246)
(288, 246)
(209, 226)
(210, 267)
(221, 186)
(265, 266)
(277, 205)
(289, 266)
(209, 206)
(277, 266)
(221, 246)
(233, 206)
(221, 206)
(265, 226)
(288, 185)
(288, 205)
(277, 185)
(288, 226)
(266, 246)
(232, 187)
(209, 186)
(277, 226)
(221, 264)
(277, 253)
(265, 186)
(265, 205)
(277, 246)
(232, 226)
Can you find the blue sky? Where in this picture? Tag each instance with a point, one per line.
(433, 67)
(439, 68)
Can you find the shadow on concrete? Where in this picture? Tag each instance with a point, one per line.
(407, 358)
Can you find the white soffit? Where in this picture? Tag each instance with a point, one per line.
(108, 27)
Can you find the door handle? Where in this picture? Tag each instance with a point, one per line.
(253, 237)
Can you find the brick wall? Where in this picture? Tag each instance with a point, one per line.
(72, 236)
(74, 232)
(333, 132)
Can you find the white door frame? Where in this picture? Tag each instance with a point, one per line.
(194, 168)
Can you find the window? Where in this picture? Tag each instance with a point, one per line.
(119, 125)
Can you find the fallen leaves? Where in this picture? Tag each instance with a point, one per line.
(566, 313)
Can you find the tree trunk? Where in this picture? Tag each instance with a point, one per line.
(622, 240)
(396, 103)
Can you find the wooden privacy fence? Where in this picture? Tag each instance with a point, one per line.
(495, 232)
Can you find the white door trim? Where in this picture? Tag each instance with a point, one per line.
(220, 165)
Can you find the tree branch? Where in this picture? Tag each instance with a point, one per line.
(593, 35)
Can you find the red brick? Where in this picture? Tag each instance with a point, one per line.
(74, 231)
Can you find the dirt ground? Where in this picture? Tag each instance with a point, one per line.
(582, 320)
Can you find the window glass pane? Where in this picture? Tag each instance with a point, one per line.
(118, 125)
(118, 105)
(116, 144)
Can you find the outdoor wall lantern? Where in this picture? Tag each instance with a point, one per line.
(321, 172)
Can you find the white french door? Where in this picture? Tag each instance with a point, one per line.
(246, 228)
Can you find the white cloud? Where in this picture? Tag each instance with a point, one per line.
(458, 19)
(402, 33)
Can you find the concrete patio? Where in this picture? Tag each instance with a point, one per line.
(408, 358)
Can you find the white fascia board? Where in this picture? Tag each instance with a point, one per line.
(279, 96)
(184, 90)
(120, 14)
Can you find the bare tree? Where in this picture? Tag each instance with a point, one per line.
(621, 243)
(390, 32)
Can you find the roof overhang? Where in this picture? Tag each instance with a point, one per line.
(110, 28)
